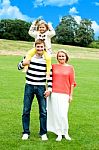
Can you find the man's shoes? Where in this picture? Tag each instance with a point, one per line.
(25, 136)
(67, 137)
(59, 138)
(44, 137)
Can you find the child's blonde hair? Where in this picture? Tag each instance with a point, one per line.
(42, 22)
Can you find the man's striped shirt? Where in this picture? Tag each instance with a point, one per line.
(36, 74)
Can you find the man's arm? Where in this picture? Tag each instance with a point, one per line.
(49, 85)
(23, 63)
(20, 65)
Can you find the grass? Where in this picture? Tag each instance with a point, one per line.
(83, 112)
(21, 47)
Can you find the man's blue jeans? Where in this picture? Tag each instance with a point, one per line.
(30, 91)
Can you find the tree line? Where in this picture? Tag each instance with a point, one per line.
(68, 32)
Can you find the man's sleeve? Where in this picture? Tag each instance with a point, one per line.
(20, 66)
(49, 82)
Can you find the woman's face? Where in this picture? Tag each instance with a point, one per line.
(61, 58)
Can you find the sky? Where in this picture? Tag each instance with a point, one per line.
(51, 10)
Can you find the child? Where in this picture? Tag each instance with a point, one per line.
(41, 30)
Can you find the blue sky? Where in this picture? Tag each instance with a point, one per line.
(51, 10)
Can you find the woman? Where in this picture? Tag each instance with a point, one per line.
(63, 82)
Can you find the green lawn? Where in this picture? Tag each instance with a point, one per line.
(21, 47)
(83, 112)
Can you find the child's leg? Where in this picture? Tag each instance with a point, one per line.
(30, 54)
(48, 64)
(26, 66)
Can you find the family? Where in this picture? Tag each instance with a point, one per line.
(52, 84)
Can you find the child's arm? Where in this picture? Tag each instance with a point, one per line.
(30, 54)
(33, 29)
(51, 32)
(48, 64)
(26, 61)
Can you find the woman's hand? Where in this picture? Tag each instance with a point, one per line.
(70, 98)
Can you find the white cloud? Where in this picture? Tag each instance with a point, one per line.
(60, 18)
(97, 3)
(95, 26)
(73, 11)
(58, 3)
(7, 11)
(77, 18)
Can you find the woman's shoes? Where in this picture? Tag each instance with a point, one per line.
(67, 137)
(59, 138)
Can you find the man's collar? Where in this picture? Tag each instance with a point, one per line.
(38, 56)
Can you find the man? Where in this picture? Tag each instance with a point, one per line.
(35, 85)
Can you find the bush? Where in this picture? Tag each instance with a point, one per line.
(94, 44)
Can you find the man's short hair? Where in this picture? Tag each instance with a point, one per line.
(39, 41)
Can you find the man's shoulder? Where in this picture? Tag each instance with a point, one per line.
(38, 59)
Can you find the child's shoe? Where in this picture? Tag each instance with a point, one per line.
(47, 76)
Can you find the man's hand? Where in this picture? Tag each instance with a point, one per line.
(26, 62)
(47, 93)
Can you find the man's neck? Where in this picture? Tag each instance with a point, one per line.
(39, 55)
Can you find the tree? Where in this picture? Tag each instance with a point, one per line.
(65, 31)
(84, 34)
(15, 30)
(69, 32)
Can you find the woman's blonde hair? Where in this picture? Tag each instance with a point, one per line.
(63, 51)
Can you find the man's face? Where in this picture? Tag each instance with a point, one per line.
(39, 48)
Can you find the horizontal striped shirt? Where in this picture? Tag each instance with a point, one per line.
(36, 74)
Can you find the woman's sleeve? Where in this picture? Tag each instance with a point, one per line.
(72, 77)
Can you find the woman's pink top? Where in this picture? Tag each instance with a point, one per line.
(63, 77)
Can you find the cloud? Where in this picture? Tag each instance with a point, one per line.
(77, 18)
(97, 3)
(57, 3)
(95, 26)
(7, 11)
(73, 11)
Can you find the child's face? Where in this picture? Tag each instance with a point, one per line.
(42, 28)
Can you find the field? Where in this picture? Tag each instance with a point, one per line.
(83, 112)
